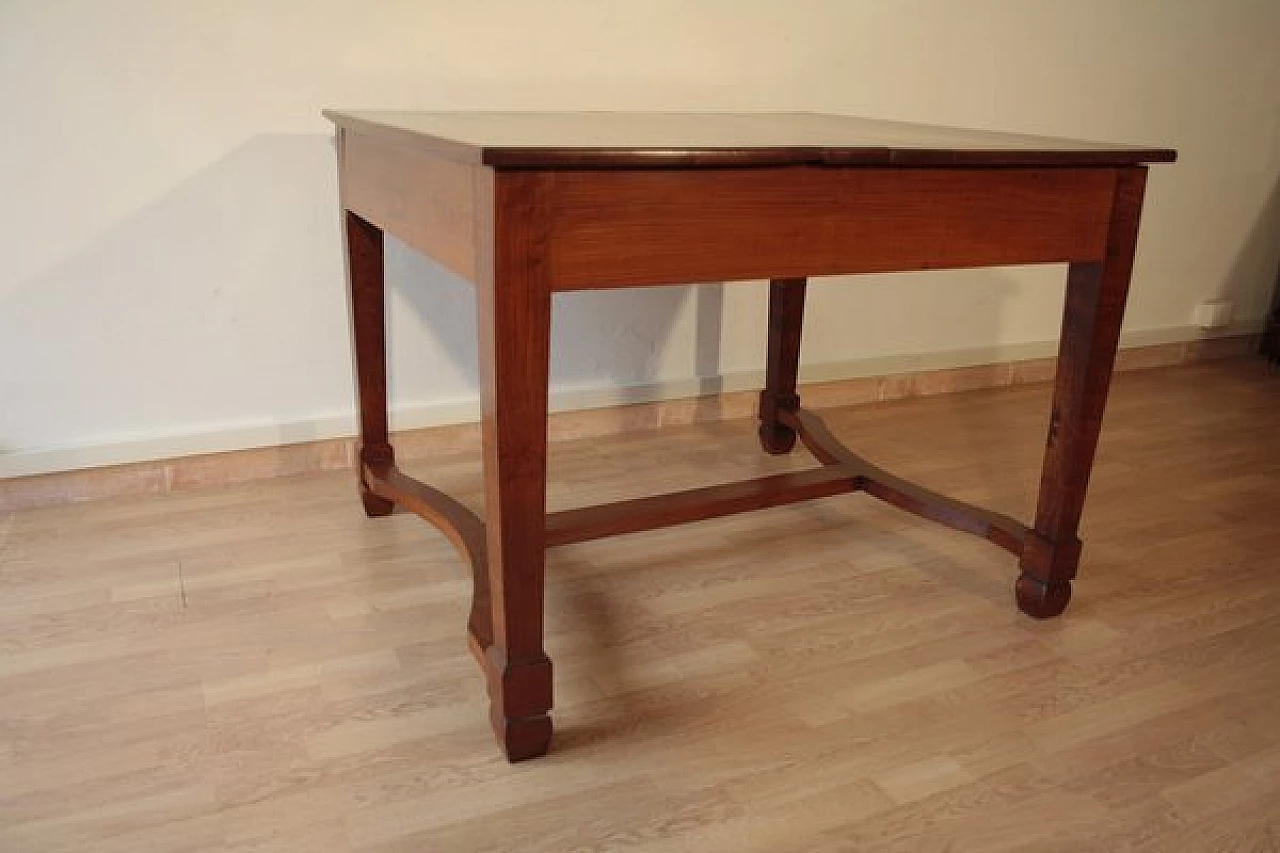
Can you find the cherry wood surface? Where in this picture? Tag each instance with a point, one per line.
(425, 200)
(782, 364)
(506, 201)
(647, 227)
(661, 140)
(1093, 312)
(999, 529)
(632, 516)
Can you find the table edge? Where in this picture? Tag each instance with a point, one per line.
(530, 158)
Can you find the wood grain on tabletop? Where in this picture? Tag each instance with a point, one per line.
(612, 140)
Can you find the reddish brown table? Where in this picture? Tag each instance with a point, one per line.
(528, 204)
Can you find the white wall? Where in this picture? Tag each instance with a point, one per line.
(172, 278)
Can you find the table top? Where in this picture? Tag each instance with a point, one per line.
(533, 140)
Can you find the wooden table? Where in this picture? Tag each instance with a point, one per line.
(528, 204)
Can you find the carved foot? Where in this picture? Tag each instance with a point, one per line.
(776, 439)
(1041, 600)
(523, 692)
(374, 505)
(521, 738)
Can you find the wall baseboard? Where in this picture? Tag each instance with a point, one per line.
(161, 465)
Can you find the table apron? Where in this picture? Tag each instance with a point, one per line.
(636, 228)
(641, 227)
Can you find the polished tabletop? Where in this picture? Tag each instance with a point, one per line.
(631, 139)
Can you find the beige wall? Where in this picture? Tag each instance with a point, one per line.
(171, 276)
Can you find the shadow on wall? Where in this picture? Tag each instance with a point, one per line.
(604, 339)
(220, 305)
(215, 306)
(1256, 262)
(1271, 332)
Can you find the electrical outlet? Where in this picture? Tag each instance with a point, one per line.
(1213, 315)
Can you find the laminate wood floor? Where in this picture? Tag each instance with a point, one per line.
(261, 668)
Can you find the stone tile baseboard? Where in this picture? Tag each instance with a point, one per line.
(238, 466)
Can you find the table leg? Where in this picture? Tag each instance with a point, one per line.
(368, 322)
(1095, 300)
(786, 317)
(515, 331)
